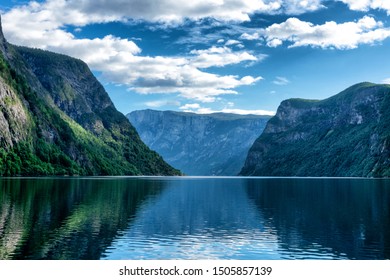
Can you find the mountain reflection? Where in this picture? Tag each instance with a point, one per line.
(348, 217)
(66, 218)
(194, 218)
(197, 219)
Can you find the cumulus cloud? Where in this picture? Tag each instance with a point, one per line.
(346, 35)
(250, 37)
(192, 83)
(120, 60)
(172, 10)
(365, 5)
(180, 75)
(57, 13)
(220, 56)
(177, 10)
(83, 12)
(190, 107)
(275, 42)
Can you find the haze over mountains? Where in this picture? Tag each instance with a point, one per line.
(210, 144)
(57, 119)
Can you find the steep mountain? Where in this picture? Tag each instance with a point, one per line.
(57, 119)
(214, 144)
(345, 135)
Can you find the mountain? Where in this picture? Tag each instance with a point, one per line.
(345, 135)
(214, 144)
(57, 119)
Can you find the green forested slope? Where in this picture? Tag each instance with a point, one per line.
(345, 135)
(57, 119)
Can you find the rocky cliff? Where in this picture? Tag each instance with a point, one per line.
(57, 119)
(345, 135)
(214, 144)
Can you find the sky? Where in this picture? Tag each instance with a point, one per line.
(234, 56)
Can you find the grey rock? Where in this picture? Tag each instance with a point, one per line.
(213, 144)
(344, 135)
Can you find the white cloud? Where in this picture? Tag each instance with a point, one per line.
(346, 35)
(83, 12)
(300, 6)
(148, 75)
(171, 75)
(177, 10)
(275, 42)
(192, 83)
(190, 107)
(172, 10)
(232, 42)
(220, 56)
(365, 5)
(250, 37)
(386, 81)
(96, 52)
(248, 112)
(196, 108)
(281, 81)
(161, 103)
(53, 14)
(120, 60)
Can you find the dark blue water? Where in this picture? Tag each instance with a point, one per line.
(194, 218)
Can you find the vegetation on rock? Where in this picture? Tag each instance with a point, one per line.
(345, 135)
(57, 119)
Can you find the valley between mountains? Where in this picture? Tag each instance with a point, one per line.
(57, 119)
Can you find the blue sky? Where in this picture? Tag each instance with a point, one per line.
(240, 56)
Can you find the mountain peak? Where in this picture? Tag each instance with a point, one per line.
(2, 39)
(1, 31)
(59, 120)
(343, 135)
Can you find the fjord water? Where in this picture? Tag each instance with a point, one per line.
(194, 218)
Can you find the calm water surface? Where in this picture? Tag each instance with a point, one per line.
(194, 218)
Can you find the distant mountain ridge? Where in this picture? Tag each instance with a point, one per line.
(212, 144)
(57, 119)
(345, 135)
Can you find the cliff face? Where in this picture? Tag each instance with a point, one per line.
(214, 144)
(72, 87)
(56, 118)
(345, 135)
(14, 119)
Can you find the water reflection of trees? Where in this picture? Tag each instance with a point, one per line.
(66, 218)
(350, 218)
